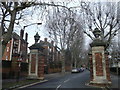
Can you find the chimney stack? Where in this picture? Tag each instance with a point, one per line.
(26, 37)
(45, 39)
(52, 42)
(21, 33)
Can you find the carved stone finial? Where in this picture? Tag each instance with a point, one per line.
(36, 37)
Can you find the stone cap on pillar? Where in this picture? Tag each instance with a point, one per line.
(90, 53)
(98, 42)
(36, 46)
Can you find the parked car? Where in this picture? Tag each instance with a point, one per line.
(81, 69)
(75, 70)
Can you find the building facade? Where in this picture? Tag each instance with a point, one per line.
(15, 55)
(52, 56)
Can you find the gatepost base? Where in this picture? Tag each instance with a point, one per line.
(41, 78)
(32, 77)
(100, 84)
(35, 77)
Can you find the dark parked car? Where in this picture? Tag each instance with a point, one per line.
(81, 69)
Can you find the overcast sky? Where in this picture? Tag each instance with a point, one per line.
(31, 30)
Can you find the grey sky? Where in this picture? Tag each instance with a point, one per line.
(31, 30)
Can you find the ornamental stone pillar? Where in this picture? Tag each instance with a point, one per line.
(33, 64)
(36, 60)
(99, 65)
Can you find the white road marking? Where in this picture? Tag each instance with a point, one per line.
(66, 80)
(58, 87)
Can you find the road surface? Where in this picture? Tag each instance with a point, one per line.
(71, 81)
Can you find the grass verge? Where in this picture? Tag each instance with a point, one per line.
(10, 85)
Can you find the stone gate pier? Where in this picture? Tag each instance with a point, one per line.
(36, 60)
(99, 65)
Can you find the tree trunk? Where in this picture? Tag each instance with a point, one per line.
(3, 48)
(75, 63)
(63, 61)
(9, 32)
(0, 48)
(71, 61)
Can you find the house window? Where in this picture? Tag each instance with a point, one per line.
(15, 50)
(50, 49)
(6, 57)
(7, 49)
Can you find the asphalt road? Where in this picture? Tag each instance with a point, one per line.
(69, 81)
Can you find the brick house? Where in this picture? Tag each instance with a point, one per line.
(15, 56)
(52, 56)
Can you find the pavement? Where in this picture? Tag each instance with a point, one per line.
(47, 78)
(115, 80)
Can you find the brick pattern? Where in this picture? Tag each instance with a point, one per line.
(23, 49)
(7, 52)
(107, 68)
(98, 62)
(99, 68)
(15, 66)
(41, 66)
(91, 68)
(33, 63)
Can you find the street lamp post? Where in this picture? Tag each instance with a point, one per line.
(31, 24)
